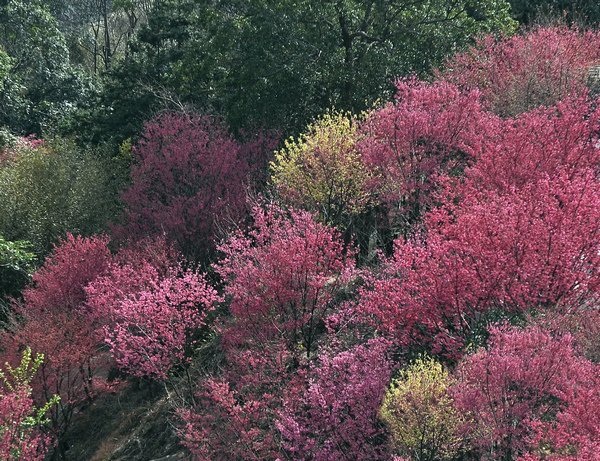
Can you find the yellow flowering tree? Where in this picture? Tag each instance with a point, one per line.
(322, 171)
(420, 415)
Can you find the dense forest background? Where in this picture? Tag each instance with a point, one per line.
(97, 69)
(299, 230)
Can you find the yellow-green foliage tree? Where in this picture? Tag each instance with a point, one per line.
(420, 415)
(53, 187)
(322, 171)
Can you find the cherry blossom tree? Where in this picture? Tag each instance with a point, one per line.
(526, 388)
(54, 321)
(150, 313)
(283, 277)
(189, 178)
(518, 232)
(429, 130)
(519, 73)
(336, 416)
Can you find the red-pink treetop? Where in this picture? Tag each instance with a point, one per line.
(53, 319)
(536, 146)
(188, 178)
(519, 231)
(519, 73)
(527, 386)
(282, 277)
(336, 416)
(54, 316)
(429, 129)
(59, 284)
(150, 312)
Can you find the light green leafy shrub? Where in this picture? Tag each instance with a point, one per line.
(420, 414)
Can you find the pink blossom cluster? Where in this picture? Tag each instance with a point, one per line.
(189, 179)
(18, 439)
(150, 318)
(527, 391)
(520, 73)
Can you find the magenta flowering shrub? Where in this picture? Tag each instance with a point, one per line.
(519, 73)
(283, 277)
(429, 130)
(152, 329)
(518, 232)
(150, 313)
(336, 416)
(53, 320)
(538, 146)
(525, 393)
(60, 283)
(189, 178)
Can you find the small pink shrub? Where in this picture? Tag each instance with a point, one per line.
(150, 312)
(525, 387)
(283, 277)
(429, 130)
(336, 416)
(53, 320)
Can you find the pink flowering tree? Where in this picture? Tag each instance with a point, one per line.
(525, 393)
(336, 416)
(507, 253)
(189, 178)
(150, 312)
(282, 279)
(234, 413)
(61, 281)
(538, 146)
(518, 232)
(429, 129)
(53, 320)
(519, 73)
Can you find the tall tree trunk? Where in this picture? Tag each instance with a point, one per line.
(348, 75)
(107, 47)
